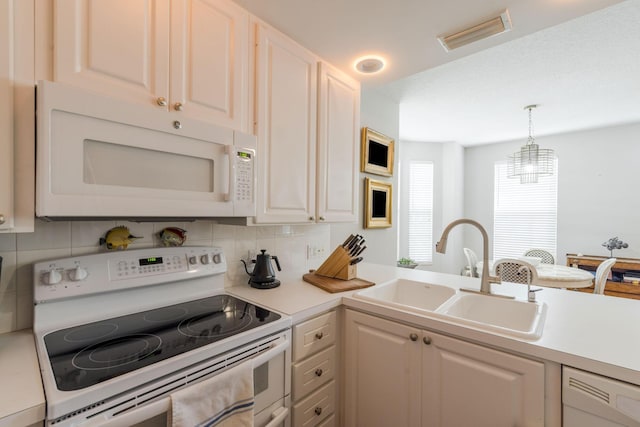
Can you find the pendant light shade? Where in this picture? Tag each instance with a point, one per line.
(531, 161)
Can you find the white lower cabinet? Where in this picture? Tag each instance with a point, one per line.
(314, 371)
(403, 376)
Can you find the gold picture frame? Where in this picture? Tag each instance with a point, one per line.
(376, 154)
(377, 203)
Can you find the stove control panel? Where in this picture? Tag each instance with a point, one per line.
(103, 272)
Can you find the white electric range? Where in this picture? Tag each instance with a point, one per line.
(118, 332)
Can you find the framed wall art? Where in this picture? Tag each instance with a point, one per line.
(377, 201)
(376, 154)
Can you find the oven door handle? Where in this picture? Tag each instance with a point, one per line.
(163, 405)
(280, 347)
(278, 416)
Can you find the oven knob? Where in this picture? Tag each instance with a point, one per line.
(217, 258)
(78, 274)
(193, 260)
(205, 259)
(52, 277)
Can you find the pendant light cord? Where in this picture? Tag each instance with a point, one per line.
(531, 138)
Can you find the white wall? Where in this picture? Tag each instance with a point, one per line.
(448, 175)
(598, 182)
(452, 209)
(380, 113)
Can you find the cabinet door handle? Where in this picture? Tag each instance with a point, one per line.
(177, 125)
(318, 372)
(426, 340)
(318, 410)
(311, 218)
(319, 335)
(321, 218)
(178, 106)
(2, 219)
(161, 101)
(414, 337)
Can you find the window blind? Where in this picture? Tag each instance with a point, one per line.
(420, 211)
(525, 215)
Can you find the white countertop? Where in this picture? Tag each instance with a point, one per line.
(597, 333)
(22, 398)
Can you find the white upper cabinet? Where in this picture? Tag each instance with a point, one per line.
(338, 153)
(16, 116)
(185, 56)
(307, 123)
(286, 102)
(6, 117)
(209, 61)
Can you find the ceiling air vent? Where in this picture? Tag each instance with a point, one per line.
(499, 24)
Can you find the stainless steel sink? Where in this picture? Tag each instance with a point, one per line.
(408, 295)
(506, 316)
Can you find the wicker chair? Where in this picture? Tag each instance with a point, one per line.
(602, 272)
(546, 256)
(472, 261)
(515, 271)
(518, 271)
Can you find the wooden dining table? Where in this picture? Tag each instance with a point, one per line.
(556, 276)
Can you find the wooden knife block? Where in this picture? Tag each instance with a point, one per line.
(338, 266)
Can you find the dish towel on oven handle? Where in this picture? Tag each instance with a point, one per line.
(225, 400)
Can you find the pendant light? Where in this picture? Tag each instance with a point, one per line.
(531, 161)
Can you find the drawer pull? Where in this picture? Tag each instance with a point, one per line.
(318, 372)
(414, 337)
(426, 340)
(318, 410)
(319, 335)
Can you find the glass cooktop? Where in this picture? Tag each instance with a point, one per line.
(85, 355)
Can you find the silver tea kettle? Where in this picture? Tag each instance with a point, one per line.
(263, 276)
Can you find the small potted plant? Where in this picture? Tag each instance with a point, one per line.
(407, 263)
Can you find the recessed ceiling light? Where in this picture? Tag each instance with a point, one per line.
(369, 64)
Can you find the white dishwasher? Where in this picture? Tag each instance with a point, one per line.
(590, 400)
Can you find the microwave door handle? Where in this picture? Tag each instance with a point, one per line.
(229, 151)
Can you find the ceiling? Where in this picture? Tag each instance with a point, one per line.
(578, 59)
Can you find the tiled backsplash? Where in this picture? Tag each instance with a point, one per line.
(291, 243)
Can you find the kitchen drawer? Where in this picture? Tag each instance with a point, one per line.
(314, 371)
(329, 422)
(315, 408)
(314, 335)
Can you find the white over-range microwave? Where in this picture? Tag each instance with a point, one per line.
(100, 157)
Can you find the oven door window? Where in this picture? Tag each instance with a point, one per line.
(269, 382)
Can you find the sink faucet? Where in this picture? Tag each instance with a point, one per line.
(486, 279)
